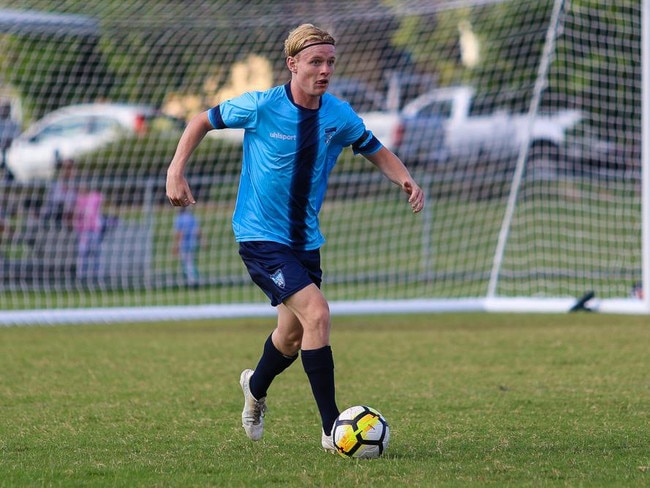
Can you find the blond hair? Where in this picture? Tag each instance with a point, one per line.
(304, 36)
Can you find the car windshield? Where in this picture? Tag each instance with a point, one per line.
(68, 127)
(438, 108)
(100, 125)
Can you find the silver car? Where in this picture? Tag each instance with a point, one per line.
(70, 132)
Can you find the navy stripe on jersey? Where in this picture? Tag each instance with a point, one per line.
(306, 152)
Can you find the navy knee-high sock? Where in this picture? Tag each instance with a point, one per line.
(271, 364)
(319, 366)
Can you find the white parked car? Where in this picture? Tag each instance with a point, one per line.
(70, 132)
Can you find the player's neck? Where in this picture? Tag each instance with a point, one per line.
(304, 100)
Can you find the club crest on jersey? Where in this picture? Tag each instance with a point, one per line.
(329, 133)
(278, 279)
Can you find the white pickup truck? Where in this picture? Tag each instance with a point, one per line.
(438, 126)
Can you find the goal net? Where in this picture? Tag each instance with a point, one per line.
(521, 119)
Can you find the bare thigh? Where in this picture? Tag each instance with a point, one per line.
(311, 312)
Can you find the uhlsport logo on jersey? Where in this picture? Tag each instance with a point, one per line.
(278, 279)
(284, 137)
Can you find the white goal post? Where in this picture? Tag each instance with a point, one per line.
(526, 122)
(645, 159)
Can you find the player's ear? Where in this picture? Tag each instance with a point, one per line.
(291, 64)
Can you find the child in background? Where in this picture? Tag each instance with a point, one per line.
(186, 243)
(87, 223)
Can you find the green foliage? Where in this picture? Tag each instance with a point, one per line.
(603, 81)
(49, 73)
(502, 46)
(472, 399)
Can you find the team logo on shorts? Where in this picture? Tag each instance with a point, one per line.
(278, 279)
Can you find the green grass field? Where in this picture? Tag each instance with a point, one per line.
(472, 400)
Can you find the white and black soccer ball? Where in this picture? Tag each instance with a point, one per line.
(361, 432)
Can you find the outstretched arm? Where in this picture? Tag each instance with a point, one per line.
(395, 171)
(178, 190)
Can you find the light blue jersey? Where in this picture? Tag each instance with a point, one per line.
(289, 152)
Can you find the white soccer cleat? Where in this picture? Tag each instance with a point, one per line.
(327, 441)
(252, 417)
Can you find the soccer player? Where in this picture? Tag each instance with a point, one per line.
(293, 135)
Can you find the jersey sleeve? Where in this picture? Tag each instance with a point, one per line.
(237, 113)
(356, 134)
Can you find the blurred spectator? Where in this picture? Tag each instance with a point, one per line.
(5, 226)
(31, 226)
(87, 223)
(60, 200)
(637, 290)
(186, 242)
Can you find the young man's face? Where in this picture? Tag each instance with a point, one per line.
(312, 68)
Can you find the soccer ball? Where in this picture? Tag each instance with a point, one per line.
(361, 432)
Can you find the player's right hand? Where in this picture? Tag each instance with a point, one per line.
(178, 191)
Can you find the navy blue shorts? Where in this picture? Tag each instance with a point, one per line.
(279, 270)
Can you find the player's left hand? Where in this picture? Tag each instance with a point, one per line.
(416, 195)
